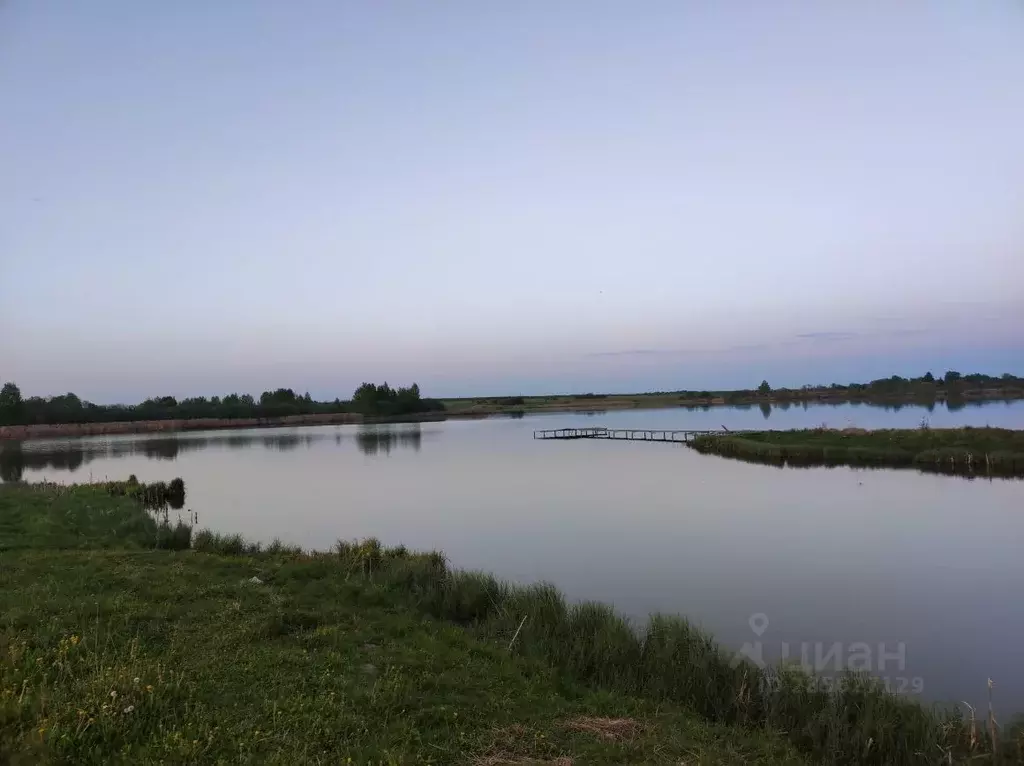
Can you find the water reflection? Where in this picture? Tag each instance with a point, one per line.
(374, 441)
(16, 457)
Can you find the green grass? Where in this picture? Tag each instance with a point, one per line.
(964, 451)
(103, 515)
(236, 653)
(145, 656)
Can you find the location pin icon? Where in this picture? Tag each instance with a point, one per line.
(758, 623)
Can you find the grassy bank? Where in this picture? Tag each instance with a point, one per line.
(233, 652)
(964, 451)
(112, 651)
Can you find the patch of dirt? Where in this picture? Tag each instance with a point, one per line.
(605, 728)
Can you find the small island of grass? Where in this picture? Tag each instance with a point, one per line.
(963, 451)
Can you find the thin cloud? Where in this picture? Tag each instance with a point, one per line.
(827, 336)
(749, 347)
(634, 352)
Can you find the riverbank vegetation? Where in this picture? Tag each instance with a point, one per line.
(113, 651)
(230, 651)
(281, 403)
(965, 451)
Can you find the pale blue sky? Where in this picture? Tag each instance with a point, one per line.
(502, 197)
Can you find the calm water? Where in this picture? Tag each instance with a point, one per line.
(767, 557)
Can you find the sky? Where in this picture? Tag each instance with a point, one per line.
(507, 197)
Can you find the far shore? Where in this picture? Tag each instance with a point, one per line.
(59, 430)
(482, 407)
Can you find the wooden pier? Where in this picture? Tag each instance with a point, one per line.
(624, 434)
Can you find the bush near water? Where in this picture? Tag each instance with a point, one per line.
(73, 674)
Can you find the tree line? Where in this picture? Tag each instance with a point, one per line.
(950, 385)
(368, 399)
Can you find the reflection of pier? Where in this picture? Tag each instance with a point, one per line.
(625, 434)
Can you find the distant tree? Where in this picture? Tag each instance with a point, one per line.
(10, 403)
(371, 399)
(928, 377)
(280, 396)
(764, 388)
(951, 376)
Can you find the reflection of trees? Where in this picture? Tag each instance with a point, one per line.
(12, 462)
(375, 441)
(285, 442)
(766, 410)
(14, 459)
(161, 449)
(17, 457)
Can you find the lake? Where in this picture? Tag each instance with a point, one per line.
(913, 576)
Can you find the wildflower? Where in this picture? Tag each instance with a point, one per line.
(137, 679)
(74, 640)
(113, 694)
(42, 730)
(129, 709)
(149, 687)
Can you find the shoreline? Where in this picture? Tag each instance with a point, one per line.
(466, 409)
(783, 398)
(60, 430)
(292, 618)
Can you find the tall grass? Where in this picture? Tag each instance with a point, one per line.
(155, 496)
(854, 720)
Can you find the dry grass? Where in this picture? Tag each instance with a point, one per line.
(507, 759)
(605, 728)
